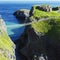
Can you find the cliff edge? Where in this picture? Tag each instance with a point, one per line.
(7, 47)
(42, 38)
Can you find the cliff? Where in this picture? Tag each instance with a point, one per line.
(7, 47)
(42, 38)
(22, 14)
(49, 30)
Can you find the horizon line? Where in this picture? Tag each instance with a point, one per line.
(29, 1)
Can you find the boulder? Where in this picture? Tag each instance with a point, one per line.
(42, 45)
(30, 44)
(3, 25)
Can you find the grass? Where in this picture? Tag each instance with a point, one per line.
(42, 26)
(3, 58)
(46, 26)
(50, 27)
(40, 14)
(5, 44)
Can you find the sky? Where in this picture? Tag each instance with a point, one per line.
(27, 0)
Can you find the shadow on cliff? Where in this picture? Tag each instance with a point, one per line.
(47, 44)
(17, 34)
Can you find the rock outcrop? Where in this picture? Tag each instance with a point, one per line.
(46, 8)
(7, 47)
(31, 11)
(22, 14)
(56, 8)
(41, 40)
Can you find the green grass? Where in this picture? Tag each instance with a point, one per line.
(45, 26)
(5, 44)
(50, 27)
(3, 58)
(40, 14)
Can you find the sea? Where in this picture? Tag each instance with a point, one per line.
(7, 10)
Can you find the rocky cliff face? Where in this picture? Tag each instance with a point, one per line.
(7, 47)
(31, 43)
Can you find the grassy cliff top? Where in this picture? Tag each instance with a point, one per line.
(46, 26)
(6, 45)
(39, 13)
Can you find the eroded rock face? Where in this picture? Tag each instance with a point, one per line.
(35, 46)
(45, 8)
(22, 14)
(31, 11)
(31, 44)
(2, 24)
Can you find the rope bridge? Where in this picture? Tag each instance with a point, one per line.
(25, 24)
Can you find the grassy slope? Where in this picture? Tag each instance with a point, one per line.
(6, 45)
(45, 26)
